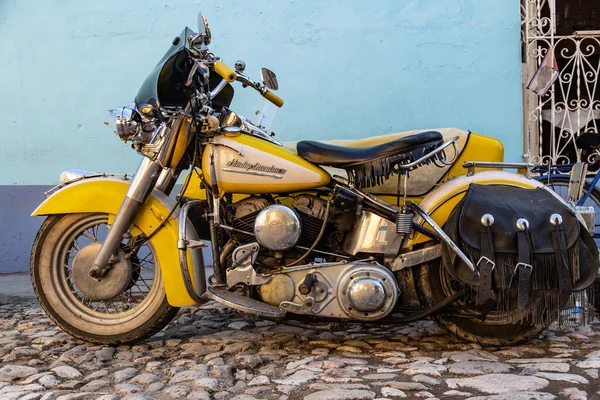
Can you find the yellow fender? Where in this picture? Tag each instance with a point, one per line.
(105, 195)
(443, 200)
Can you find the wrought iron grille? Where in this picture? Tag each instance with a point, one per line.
(553, 122)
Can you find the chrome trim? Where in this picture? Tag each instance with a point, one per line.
(246, 275)
(416, 257)
(139, 189)
(371, 233)
(231, 118)
(144, 180)
(555, 219)
(69, 175)
(213, 93)
(75, 179)
(126, 127)
(269, 78)
(257, 173)
(244, 257)
(451, 142)
(350, 291)
(523, 224)
(487, 220)
(206, 35)
(184, 243)
(487, 261)
(167, 179)
(152, 150)
(471, 165)
(244, 304)
(239, 66)
(443, 236)
(193, 70)
(586, 214)
(257, 131)
(306, 307)
(277, 227)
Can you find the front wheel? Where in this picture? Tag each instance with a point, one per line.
(139, 310)
(434, 285)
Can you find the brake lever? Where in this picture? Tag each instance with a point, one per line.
(190, 77)
(243, 78)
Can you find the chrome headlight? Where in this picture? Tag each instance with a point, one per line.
(126, 122)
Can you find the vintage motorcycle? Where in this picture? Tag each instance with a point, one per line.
(388, 229)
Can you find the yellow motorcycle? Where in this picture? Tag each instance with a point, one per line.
(387, 229)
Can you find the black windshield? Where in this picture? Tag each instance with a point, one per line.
(164, 85)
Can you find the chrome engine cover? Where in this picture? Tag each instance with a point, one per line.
(277, 227)
(367, 293)
(372, 234)
(360, 290)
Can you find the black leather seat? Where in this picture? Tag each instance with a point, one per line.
(340, 156)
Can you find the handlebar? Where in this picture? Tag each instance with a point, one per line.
(273, 98)
(230, 76)
(226, 73)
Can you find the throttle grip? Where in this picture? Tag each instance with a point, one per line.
(226, 73)
(273, 98)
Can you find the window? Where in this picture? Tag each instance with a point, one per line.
(577, 15)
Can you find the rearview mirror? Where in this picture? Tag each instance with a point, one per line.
(269, 79)
(203, 28)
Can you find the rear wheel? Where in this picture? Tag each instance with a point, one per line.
(140, 308)
(435, 285)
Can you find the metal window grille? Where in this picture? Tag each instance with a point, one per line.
(552, 123)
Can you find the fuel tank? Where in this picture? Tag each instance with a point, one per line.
(245, 164)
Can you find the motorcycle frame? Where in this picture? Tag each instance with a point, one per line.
(144, 205)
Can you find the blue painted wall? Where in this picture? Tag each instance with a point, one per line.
(347, 68)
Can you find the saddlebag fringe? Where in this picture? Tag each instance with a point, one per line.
(544, 306)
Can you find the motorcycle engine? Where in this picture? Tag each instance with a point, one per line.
(277, 227)
(347, 290)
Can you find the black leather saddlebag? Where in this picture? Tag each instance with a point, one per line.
(530, 250)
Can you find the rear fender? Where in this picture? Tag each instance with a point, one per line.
(105, 195)
(440, 203)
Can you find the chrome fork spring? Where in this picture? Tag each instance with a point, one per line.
(404, 223)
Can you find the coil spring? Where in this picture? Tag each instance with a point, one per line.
(404, 223)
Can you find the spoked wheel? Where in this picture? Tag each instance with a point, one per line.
(128, 304)
(435, 284)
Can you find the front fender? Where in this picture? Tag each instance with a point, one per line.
(105, 195)
(440, 202)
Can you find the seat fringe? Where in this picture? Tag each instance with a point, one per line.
(375, 172)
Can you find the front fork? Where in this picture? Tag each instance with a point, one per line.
(140, 188)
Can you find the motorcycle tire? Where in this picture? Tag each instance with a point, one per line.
(486, 333)
(88, 321)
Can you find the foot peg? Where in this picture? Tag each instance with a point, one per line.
(244, 304)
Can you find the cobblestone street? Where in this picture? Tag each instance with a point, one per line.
(213, 353)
